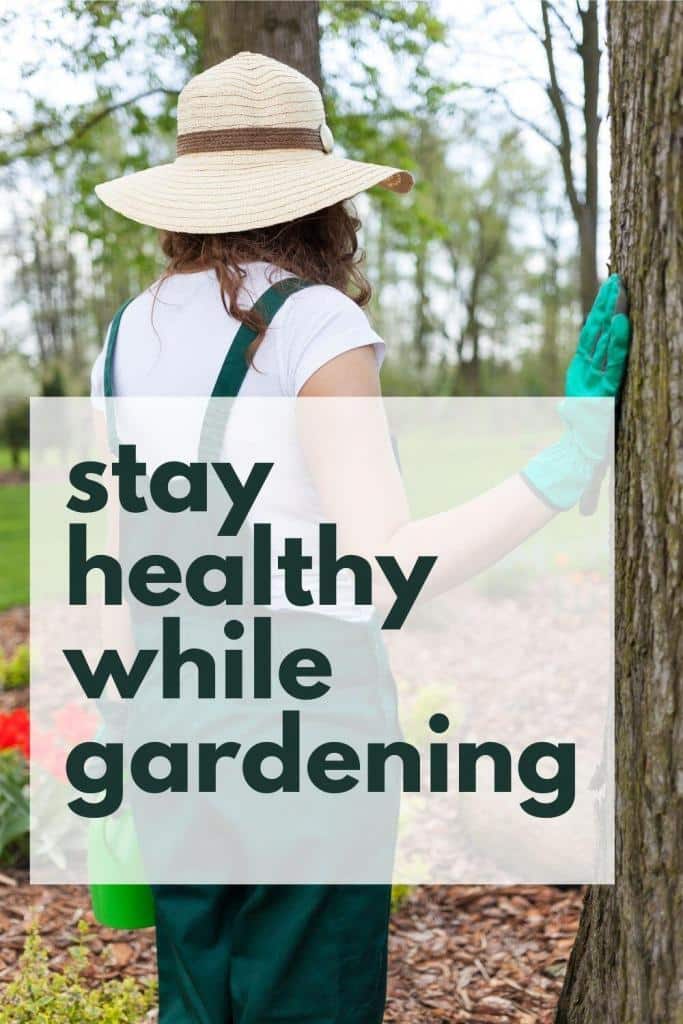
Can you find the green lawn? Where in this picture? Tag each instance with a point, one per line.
(569, 543)
(6, 461)
(13, 545)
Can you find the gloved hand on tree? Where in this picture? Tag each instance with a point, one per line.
(565, 472)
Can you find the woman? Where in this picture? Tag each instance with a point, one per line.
(254, 199)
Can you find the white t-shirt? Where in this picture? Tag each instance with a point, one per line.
(176, 344)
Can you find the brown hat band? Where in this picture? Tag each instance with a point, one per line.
(223, 139)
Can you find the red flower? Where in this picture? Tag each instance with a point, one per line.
(72, 724)
(14, 731)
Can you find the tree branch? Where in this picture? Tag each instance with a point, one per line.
(556, 97)
(79, 130)
(565, 24)
(493, 90)
(590, 54)
(527, 24)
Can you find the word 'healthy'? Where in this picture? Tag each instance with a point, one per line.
(153, 570)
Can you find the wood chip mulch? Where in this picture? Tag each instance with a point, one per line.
(13, 628)
(57, 909)
(473, 954)
(480, 954)
(458, 954)
(13, 476)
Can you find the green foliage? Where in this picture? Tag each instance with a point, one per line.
(6, 460)
(14, 671)
(432, 698)
(122, 48)
(14, 809)
(63, 997)
(402, 377)
(399, 894)
(456, 251)
(14, 429)
(371, 120)
(53, 383)
(77, 260)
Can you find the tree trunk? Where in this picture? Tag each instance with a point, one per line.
(287, 30)
(588, 257)
(421, 320)
(551, 304)
(627, 964)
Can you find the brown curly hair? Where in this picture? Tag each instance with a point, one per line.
(320, 247)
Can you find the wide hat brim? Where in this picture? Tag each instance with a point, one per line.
(208, 193)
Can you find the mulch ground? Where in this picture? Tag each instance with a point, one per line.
(13, 629)
(458, 954)
(480, 954)
(57, 910)
(13, 476)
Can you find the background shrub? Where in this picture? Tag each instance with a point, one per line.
(14, 809)
(39, 994)
(14, 671)
(14, 429)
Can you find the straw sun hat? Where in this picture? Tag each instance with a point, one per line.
(253, 149)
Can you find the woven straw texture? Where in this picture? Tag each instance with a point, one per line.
(235, 190)
(249, 90)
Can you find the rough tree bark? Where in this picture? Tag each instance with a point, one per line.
(287, 30)
(627, 965)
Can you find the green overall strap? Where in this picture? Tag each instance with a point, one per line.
(109, 374)
(235, 366)
(231, 375)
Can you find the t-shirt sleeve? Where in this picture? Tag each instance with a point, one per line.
(321, 323)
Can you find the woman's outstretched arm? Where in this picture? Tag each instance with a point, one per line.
(352, 462)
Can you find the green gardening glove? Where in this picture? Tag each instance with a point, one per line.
(599, 364)
(566, 472)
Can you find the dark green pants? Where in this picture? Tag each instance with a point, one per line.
(301, 954)
(292, 954)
